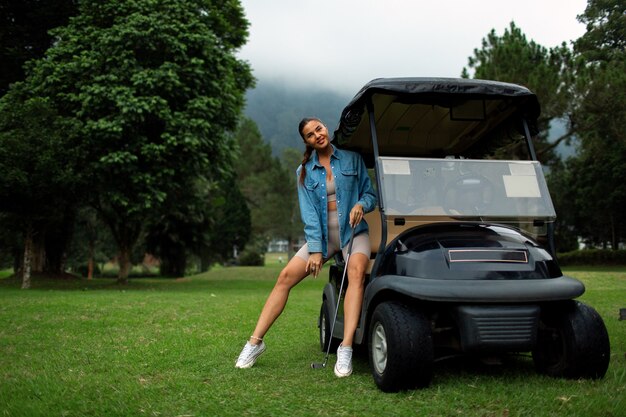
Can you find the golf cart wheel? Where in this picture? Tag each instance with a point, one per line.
(572, 342)
(325, 322)
(400, 348)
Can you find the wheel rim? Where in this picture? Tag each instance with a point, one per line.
(379, 348)
(323, 330)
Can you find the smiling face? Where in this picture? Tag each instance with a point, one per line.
(315, 134)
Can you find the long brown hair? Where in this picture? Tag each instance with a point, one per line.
(309, 150)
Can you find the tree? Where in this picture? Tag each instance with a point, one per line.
(181, 228)
(265, 184)
(600, 70)
(40, 176)
(599, 120)
(91, 246)
(512, 58)
(205, 223)
(154, 87)
(563, 198)
(24, 27)
(231, 226)
(294, 228)
(24, 36)
(596, 185)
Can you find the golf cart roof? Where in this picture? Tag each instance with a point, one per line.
(431, 117)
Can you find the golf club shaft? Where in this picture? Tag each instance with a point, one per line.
(332, 327)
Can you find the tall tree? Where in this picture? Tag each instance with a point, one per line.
(599, 121)
(24, 27)
(294, 228)
(600, 70)
(265, 185)
(154, 87)
(91, 246)
(512, 58)
(203, 223)
(231, 224)
(39, 172)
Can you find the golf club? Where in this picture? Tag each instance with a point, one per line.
(317, 365)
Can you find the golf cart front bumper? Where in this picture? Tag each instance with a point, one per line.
(477, 291)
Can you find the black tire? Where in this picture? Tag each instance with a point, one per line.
(572, 342)
(325, 322)
(400, 348)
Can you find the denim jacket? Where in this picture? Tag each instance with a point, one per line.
(352, 185)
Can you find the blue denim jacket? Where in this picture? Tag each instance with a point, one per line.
(352, 186)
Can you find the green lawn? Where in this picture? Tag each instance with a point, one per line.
(161, 347)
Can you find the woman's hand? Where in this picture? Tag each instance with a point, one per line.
(356, 215)
(314, 264)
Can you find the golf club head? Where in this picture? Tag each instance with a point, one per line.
(317, 365)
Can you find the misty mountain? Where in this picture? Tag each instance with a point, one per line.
(277, 109)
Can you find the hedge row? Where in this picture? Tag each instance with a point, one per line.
(593, 257)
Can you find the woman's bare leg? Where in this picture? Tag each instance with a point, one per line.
(357, 265)
(289, 277)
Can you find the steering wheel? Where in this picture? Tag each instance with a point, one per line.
(469, 194)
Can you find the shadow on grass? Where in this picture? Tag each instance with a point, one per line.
(450, 369)
(68, 281)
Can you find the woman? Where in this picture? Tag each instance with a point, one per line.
(334, 191)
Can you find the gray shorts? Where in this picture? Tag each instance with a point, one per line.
(360, 244)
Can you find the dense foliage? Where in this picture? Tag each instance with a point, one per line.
(268, 188)
(593, 179)
(151, 89)
(512, 58)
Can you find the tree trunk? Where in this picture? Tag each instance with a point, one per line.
(124, 261)
(126, 232)
(90, 262)
(28, 253)
(37, 249)
(614, 234)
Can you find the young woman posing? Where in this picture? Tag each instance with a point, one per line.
(334, 191)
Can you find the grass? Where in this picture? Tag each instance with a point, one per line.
(160, 347)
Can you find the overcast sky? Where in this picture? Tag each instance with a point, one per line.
(342, 44)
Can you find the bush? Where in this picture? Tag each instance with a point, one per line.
(593, 257)
(251, 257)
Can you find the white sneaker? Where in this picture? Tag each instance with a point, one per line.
(343, 367)
(249, 355)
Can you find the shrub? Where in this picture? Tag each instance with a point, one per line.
(251, 257)
(593, 257)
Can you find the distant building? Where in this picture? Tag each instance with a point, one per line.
(277, 245)
(281, 245)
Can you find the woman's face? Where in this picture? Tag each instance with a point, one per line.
(315, 135)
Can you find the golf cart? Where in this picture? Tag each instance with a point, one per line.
(463, 255)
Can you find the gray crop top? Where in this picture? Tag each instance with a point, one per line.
(330, 189)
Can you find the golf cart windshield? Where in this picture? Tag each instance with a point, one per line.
(510, 191)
